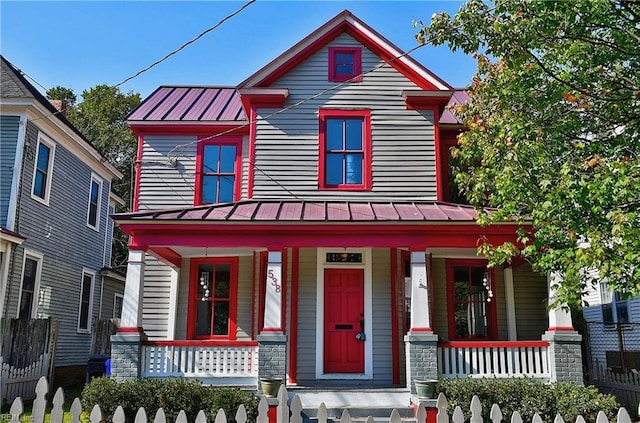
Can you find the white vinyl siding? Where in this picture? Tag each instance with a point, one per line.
(403, 155)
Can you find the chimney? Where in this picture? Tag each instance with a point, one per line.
(60, 105)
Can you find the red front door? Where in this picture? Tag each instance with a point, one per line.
(343, 320)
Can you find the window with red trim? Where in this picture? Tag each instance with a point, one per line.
(213, 298)
(345, 63)
(218, 170)
(450, 166)
(471, 300)
(345, 149)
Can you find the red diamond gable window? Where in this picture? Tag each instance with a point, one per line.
(345, 63)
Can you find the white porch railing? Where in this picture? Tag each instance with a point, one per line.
(493, 359)
(236, 362)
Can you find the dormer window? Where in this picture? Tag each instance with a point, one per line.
(345, 63)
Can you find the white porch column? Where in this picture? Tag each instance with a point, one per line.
(512, 332)
(173, 303)
(133, 292)
(273, 298)
(564, 352)
(559, 316)
(420, 310)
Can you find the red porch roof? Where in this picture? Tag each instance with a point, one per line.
(265, 211)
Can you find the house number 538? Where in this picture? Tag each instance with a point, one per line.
(274, 281)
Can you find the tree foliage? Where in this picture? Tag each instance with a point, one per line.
(553, 135)
(101, 117)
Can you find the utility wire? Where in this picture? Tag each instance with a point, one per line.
(202, 34)
(182, 47)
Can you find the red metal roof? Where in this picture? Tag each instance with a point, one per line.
(191, 104)
(310, 211)
(460, 96)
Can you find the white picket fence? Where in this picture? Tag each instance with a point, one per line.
(21, 382)
(286, 412)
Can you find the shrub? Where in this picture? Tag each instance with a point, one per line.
(528, 396)
(171, 394)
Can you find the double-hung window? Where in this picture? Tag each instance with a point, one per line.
(212, 298)
(345, 149)
(86, 301)
(471, 299)
(345, 63)
(42, 169)
(31, 271)
(218, 170)
(614, 308)
(95, 193)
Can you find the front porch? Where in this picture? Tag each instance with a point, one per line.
(374, 302)
(237, 364)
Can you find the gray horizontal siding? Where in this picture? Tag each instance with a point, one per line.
(110, 287)
(59, 232)
(403, 157)
(530, 295)
(156, 307)
(381, 298)
(163, 185)
(307, 277)
(166, 185)
(9, 126)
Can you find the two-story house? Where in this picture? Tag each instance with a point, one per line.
(55, 235)
(299, 226)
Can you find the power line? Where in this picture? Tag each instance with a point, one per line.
(182, 47)
(202, 34)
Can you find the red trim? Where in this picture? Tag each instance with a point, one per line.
(435, 103)
(395, 335)
(443, 144)
(317, 235)
(357, 64)
(404, 256)
(494, 344)
(138, 169)
(205, 141)
(233, 297)
(421, 330)
(130, 330)
(562, 329)
(431, 282)
(253, 296)
(167, 255)
(366, 149)
(326, 34)
(252, 152)
(285, 270)
(202, 342)
(262, 272)
(179, 128)
(293, 330)
(252, 98)
(492, 318)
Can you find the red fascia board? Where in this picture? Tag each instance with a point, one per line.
(318, 235)
(167, 255)
(418, 102)
(266, 99)
(400, 65)
(240, 128)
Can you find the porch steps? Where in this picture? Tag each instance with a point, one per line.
(361, 403)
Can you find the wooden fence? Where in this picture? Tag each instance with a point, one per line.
(285, 412)
(625, 386)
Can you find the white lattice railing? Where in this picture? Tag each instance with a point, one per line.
(203, 360)
(494, 359)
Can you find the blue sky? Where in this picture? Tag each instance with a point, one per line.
(80, 44)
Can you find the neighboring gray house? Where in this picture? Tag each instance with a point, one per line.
(612, 330)
(56, 230)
